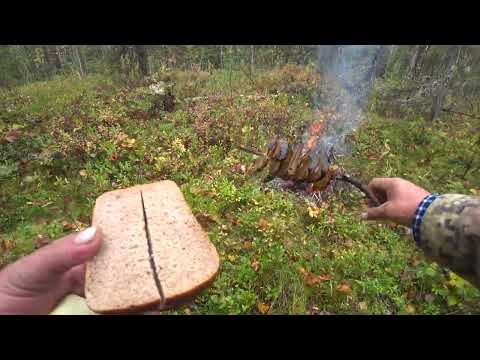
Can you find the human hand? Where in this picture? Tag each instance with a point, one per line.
(400, 198)
(35, 284)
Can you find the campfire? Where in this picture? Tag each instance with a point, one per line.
(304, 165)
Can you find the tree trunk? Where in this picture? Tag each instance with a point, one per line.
(142, 58)
(46, 55)
(50, 59)
(273, 54)
(421, 61)
(252, 59)
(381, 61)
(83, 59)
(221, 56)
(441, 91)
(76, 54)
(415, 60)
(438, 102)
(56, 57)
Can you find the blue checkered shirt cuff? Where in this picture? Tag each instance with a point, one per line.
(420, 213)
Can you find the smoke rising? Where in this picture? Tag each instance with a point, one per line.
(349, 74)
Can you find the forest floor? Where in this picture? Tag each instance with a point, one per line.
(66, 141)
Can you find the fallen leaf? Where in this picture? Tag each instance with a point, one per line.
(414, 262)
(410, 309)
(13, 135)
(232, 219)
(42, 240)
(313, 212)
(9, 244)
(263, 308)
(255, 265)
(231, 258)
(312, 279)
(239, 168)
(75, 225)
(348, 242)
(344, 288)
(205, 220)
(67, 225)
(263, 224)
(129, 143)
(247, 245)
(83, 173)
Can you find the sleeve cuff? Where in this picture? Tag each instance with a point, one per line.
(420, 213)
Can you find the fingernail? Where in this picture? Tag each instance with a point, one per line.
(85, 236)
(364, 216)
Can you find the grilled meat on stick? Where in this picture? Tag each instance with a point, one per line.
(306, 161)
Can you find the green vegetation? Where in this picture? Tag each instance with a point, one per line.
(68, 140)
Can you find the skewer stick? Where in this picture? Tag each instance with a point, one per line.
(361, 187)
(250, 150)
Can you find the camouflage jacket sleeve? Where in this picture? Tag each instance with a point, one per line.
(449, 233)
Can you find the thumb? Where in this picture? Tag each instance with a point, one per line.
(63, 254)
(376, 213)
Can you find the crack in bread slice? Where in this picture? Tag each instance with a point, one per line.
(119, 278)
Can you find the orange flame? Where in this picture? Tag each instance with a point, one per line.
(316, 128)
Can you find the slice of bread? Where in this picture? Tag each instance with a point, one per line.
(186, 261)
(123, 277)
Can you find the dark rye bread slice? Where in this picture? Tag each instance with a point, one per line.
(120, 278)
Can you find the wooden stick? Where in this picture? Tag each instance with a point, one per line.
(251, 150)
(361, 187)
(460, 113)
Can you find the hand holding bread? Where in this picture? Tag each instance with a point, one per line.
(145, 251)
